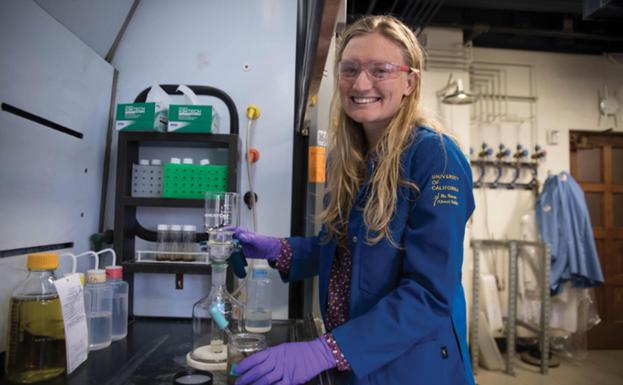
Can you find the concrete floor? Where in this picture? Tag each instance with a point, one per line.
(601, 367)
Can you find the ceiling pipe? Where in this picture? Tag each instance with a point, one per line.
(477, 29)
(428, 17)
(371, 7)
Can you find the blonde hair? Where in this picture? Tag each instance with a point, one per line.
(347, 152)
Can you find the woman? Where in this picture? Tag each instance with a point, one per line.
(389, 254)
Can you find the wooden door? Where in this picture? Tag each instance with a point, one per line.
(597, 165)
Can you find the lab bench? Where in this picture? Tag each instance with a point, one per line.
(155, 349)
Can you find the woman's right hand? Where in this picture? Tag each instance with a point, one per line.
(256, 245)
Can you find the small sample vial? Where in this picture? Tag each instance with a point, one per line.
(204, 162)
(241, 347)
(163, 246)
(188, 161)
(176, 161)
(98, 306)
(175, 241)
(156, 162)
(189, 242)
(143, 162)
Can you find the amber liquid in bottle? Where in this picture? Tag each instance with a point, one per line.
(36, 350)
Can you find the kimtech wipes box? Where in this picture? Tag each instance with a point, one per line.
(190, 118)
(151, 116)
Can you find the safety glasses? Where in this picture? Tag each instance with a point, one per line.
(376, 70)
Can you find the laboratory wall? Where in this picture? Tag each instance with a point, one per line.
(565, 88)
(51, 180)
(247, 49)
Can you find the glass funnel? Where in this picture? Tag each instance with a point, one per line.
(222, 209)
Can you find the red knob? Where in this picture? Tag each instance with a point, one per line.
(253, 155)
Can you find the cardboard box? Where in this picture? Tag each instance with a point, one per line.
(190, 118)
(141, 117)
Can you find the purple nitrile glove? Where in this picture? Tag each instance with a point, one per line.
(286, 364)
(256, 245)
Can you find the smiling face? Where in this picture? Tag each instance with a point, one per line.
(373, 103)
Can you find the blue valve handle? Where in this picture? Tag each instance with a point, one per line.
(521, 152)
(539, 153)
(485, 153)
(503, 153)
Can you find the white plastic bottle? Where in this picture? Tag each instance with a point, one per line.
(258, 310)
(98, 306)
(114, 277)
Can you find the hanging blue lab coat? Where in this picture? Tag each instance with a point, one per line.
(407, 307)
(565, 225)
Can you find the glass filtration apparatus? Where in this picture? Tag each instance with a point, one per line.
(209, 341)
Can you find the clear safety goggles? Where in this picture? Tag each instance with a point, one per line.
(376, 70)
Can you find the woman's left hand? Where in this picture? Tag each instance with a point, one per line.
(286, 364)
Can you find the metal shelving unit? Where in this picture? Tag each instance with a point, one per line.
(126, 223)
(511, 320)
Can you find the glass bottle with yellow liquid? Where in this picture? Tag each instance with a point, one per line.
(36, 345)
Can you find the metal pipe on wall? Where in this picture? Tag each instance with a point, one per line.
(480, 71)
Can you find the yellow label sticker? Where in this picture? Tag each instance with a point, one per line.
(446, 189)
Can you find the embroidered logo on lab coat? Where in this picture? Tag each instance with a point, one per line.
(446, 189)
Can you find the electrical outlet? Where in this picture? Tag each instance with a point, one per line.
(553, 137)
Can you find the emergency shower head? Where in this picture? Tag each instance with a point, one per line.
(453, 93)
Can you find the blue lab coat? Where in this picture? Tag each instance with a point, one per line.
(565, 225)
(407, 307)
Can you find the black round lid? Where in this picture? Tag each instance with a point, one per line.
(192, 377)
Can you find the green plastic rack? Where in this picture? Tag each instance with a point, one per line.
(190, 181)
